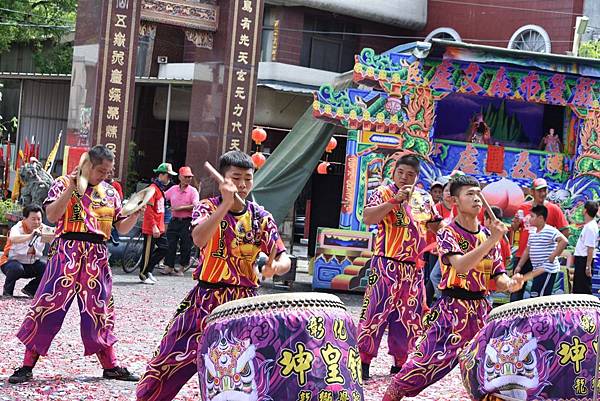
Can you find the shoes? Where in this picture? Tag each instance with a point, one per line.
(395, 369)
(178, 272)
(28, 293)
(167, 270)
(148, 279)
(6, 294)
(119, 373)
(365, 371)
(21, 375)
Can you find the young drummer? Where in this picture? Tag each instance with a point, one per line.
(230, 235)
(470, 257)
(78, 267)
(395, 295)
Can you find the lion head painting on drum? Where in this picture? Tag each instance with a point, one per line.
(230, 370)
(511, 365)
(536, 349)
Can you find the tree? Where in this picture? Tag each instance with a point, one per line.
(590, 49)
(42, 25)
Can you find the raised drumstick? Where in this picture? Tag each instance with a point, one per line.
(217, 176)
(487, 207)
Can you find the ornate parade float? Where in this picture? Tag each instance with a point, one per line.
(488, 112)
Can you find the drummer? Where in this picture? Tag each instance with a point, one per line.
(395, 297)
(230, 234)
(470, 257)
(78, 266)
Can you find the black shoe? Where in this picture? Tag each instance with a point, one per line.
(27, 292)
(365, 371)
(395, 369)
(119, 373)
(21, 375)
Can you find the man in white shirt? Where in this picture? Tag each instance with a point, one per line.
(585, 250)
(544, 246)
(23, 251)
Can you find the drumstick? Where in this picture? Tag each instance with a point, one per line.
(487, 207)
(217, 176)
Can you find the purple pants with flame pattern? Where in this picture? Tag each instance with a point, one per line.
(394, 298)
(284, 350)
(174, 362)
(75, 269)
(545, 350)
(449, 326)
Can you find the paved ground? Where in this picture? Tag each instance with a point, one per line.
(142, 313)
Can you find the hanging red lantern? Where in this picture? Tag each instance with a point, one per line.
(259, 135)
(259, 159)
(331, 145)
(322, 167)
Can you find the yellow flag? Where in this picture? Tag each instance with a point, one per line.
(52, 155)
(16, 191)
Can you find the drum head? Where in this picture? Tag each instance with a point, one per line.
(546, 302)
(276, 301)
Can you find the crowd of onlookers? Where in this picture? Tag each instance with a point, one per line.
(166, 227)
(538, 235)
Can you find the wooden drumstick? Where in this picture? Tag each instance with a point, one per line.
(217, 176)
(487, 207)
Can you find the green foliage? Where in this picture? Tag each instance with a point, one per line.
(590, 49)
(39, 24)
(8, 207)
(132, 175)
(503, 127)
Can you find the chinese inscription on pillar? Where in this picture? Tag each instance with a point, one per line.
(241, 75)
(117, 79)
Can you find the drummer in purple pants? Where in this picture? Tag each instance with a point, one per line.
(230, 235)
(470, 258)
(78, 268)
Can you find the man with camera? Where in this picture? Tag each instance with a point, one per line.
(23, 252)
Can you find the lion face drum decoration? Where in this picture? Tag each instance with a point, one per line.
(537, 349)
(284, 347)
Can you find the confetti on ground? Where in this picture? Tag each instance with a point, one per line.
(142, 312)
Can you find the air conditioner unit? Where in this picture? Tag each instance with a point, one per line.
(162, 60)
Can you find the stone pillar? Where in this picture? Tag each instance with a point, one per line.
(103, 76)
(224, 87)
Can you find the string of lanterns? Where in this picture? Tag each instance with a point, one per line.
(259, 135)
(331, 145)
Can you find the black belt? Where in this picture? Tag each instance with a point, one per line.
(181, 218)
(461, 293)
(216, 286)
(87, 237)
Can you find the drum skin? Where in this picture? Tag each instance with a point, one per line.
(288, 347)
(539, 349)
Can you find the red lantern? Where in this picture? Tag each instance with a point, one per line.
(259, 159)
(331, 145)
(322, 168)
(259, 135)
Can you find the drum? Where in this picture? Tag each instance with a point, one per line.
(536, 349)
(284, 347)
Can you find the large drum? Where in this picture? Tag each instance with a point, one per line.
(537, 349)
(284, 347)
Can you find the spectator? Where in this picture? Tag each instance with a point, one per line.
(544, 246)
(23, 251)
(585, 250)
(183, 198)
(521, 223)
(436, 191)
(447, 210)
(156, 244)
(115, 184)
